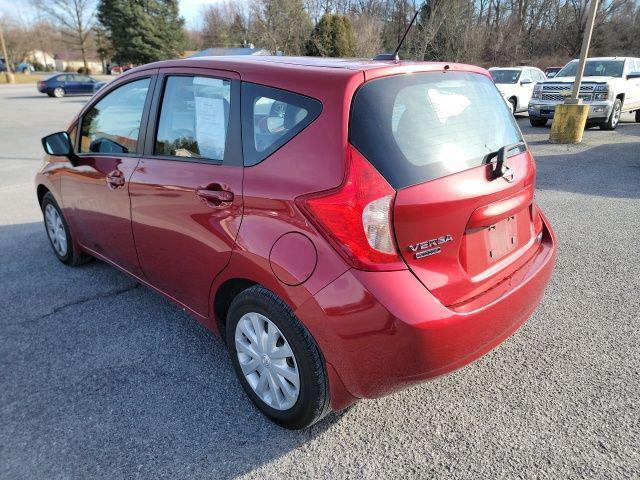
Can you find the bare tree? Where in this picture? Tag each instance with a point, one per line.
(75, 18)
(280, 25)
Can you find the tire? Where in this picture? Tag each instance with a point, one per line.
(58, 92)
(59, 234)
(614, 118)
(537, 121)
(637, 116)
(512, 102)
(50, 94)
(257, 309)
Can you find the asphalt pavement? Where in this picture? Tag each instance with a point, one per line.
(102, 378)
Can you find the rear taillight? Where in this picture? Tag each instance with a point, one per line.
(356, 217)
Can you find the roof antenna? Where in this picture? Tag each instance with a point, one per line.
(394, 55)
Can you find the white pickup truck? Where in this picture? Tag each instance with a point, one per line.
(610, 86)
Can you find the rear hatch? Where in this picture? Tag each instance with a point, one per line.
(460, 224)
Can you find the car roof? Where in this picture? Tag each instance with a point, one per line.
(602, 58)
(243, 64)
(512, 68)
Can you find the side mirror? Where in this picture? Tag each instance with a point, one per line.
(551, 74)
(59, 144)
(525, 82)
(633, 75)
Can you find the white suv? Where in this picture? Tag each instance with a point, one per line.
(516, 84)
(610, 86)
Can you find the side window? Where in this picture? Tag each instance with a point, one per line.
(271, 117)
(81, 78)
(526, 75)
(194, 118)
(113, 124)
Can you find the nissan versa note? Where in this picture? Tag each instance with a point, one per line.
(348, 227)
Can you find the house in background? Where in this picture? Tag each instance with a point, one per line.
(220, 52)
(64, 61)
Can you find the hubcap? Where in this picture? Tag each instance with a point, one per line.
(616, 116)
(58, 92)
(267, 361)
(55, 229)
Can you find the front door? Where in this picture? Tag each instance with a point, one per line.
(96, 189)
(186, 192)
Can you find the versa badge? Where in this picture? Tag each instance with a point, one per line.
(429, 247)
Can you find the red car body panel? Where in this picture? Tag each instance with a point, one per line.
(378, 331)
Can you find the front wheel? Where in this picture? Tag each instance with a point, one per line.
(59, 234)
(614, 118)
(537, 121)
(277, 361)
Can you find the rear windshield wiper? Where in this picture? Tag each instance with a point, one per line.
(502, 169)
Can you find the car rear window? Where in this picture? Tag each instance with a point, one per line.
(418, 127)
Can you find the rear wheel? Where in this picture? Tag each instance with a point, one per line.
(277, 361)
(614, 118)
(512, 102)
(59, 234)
(537, 121)
(58, 92)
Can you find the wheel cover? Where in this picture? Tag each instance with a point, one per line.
(267, 361)
(617, 111)
(56, 230)
(58, 92)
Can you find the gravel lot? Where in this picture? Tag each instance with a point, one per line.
(101, 378)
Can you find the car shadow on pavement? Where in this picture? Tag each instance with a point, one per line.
(102, 377)
(611, 170)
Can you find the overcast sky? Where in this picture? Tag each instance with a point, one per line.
(189, 9)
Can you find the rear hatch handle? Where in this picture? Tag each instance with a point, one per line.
(501, 169)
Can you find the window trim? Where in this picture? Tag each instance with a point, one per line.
(233, 147)
(251, 156)
(143, 120)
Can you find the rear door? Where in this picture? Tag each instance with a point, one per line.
(459, 226)
(186, 192)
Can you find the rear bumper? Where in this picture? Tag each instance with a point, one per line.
(382, 331)
(597, 110)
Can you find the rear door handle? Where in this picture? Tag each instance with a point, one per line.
(115, 179)
(215, 195)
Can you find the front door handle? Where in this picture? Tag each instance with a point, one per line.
(115, 179)
(215, 195)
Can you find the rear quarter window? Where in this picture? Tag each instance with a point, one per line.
(271, 117)
(418, 127)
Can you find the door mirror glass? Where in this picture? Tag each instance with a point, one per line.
(58, 144)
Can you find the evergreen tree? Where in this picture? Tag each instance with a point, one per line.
(142, 31)
(332, 37)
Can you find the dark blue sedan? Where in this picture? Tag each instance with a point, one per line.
(60, 84)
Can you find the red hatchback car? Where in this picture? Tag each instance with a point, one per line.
(349, 227)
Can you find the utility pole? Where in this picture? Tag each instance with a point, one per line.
(570, 117)
(584, 52)
(8, 74)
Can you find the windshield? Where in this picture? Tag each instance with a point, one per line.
(594, 68)
(418, 127)
(505, 76)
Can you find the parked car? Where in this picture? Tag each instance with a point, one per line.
(60, 84)
(25, 68)
(551, 72)
(516, 84)
(347, 228)
(610, 85)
